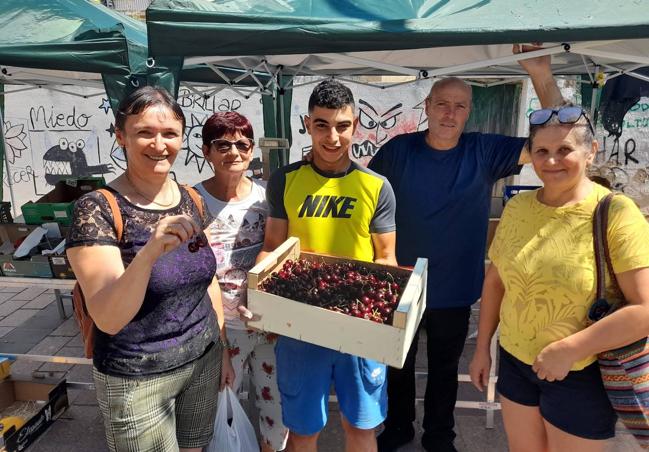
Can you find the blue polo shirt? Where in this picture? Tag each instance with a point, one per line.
(443, 200)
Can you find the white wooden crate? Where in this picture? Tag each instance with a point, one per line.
(381, 342)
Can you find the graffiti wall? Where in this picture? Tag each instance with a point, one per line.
(191, 167)
(623, 161)
(50, 135)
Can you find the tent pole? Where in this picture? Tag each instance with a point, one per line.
(638, 76)
(3, 146)
(614, 56)
(280, 97)
(593, 94)
(521, 125)
(371, 63)
(593, 98)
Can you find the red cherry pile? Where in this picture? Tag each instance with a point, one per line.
(344, 287)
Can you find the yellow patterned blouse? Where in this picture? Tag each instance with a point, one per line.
(546, 261)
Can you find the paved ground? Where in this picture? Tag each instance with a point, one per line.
(30, 323)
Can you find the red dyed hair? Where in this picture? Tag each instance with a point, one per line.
(227, 122)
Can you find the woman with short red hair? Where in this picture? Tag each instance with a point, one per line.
(238, 204)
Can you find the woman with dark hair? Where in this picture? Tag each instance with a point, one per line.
(151, 290)
(541, 285)
(239, 207)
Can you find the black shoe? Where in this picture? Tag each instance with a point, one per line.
(394, 437)
(439, 445)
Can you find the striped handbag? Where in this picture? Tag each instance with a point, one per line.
(625, 370)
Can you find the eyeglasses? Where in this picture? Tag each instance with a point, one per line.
(224, 146)
(566, 115)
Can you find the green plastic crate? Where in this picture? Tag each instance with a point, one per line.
(57, 205)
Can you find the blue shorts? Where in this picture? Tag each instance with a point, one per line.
(577, 404)
(305, 373)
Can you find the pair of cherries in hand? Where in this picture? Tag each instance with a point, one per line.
(197, 242)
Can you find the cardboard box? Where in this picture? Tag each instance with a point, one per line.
(54, 397)
(491, 230)
(37, 266)
(59, 262)
(381, 342)
(58, 204)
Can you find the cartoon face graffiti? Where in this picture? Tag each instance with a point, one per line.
(67, 160)
(194, 143)
(376, 125)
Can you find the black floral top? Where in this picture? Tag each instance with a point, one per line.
(176, 322)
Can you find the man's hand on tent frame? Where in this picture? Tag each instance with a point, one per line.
(535, 65)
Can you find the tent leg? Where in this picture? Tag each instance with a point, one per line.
(284, 153)
(593, 96)
(3, 145)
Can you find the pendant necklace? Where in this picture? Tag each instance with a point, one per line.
(147, 198)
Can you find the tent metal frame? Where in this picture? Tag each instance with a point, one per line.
(470, 71)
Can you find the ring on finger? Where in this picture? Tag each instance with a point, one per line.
(169, 229)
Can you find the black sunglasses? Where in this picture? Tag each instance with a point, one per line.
(223, 146)
(566, 115)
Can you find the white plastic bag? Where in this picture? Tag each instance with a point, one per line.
(236, 435)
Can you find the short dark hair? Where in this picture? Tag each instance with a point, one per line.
(143, 98)
(224, 122)
(586, 135)
(331, 94)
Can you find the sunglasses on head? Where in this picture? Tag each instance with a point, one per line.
(223, 146)
(565, 115)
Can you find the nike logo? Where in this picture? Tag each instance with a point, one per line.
(327, 206)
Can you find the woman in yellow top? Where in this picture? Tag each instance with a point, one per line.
(540, 286)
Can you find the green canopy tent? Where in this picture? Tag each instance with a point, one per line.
(464, 36)
(419, 38)
(76, 42)
(62, 43)
(68, 42)
(71, 42)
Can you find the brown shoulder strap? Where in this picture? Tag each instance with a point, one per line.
(609, 263)
(117, 214)
(601, 307)
(600, 224)
(198, 201)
